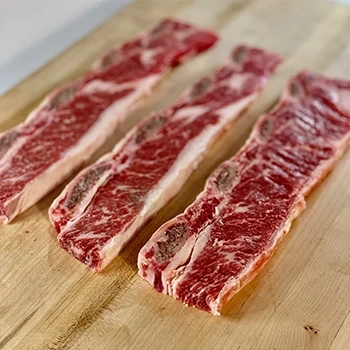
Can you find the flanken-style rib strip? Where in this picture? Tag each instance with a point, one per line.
(75, 120)
(154, 160)
(250, 201)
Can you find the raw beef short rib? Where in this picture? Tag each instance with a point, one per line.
(75, 120)
(102, 208)
(207, 254)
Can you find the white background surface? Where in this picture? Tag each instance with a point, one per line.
(32, 32)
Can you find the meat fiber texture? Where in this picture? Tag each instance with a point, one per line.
(207, 254)
(75, 120)
(102, 208)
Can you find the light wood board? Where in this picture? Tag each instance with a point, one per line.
(301, 299)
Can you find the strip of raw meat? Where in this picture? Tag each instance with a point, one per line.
(74, 121)
(207, 254)
(102, 208)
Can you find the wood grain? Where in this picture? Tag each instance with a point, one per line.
(301, 298)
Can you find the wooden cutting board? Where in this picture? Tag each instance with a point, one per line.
(301, 299)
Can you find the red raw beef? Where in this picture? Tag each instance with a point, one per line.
(102, 208)
(75, 120)
(207, 254)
